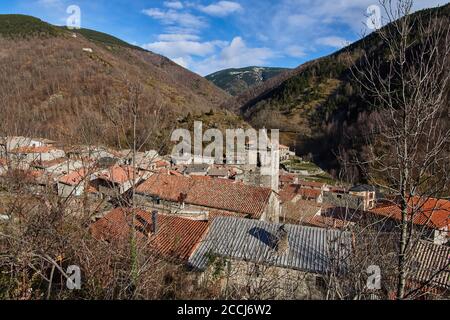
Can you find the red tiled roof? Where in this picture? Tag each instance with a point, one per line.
(296, 211)
(42, 149)
(220, 213)
(118, 174)
(432, 212)
(211, 193)
(49, 163)
(161, 163)
(74, 177)
(3, 162)
(325, 222)
(337, 189)
(34, 173)
(176, 237)
(290, 191)
(311, 184)
(175, 173)
(287, 178)
(91, 189)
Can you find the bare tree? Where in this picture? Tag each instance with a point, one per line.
(407, 82)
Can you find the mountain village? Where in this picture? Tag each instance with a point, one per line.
(215, 151)
(298, 229)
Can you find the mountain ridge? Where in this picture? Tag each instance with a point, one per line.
(317, 106)
(54, 77)
(237, 80)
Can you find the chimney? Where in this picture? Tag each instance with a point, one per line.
(154, 228)
(282, 245)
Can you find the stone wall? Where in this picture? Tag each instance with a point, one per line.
(249, 280)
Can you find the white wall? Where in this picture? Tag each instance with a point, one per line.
(65, 190)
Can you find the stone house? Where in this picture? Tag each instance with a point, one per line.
(73, 184)
(23, 157)
(181, 194)
(268, 260)
(116, 180)
(430, 217)
(367, 192)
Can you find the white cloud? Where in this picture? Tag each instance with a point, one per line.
(183, 48)
(295, 51)
(234, 55)
(172, 17)
(182, 61)
(221, 8)
(50, 2)
(335, 42)
(178, 37)
(173, 4)
(300, 20)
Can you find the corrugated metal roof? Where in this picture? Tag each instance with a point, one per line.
(431, 263)
(310, 249)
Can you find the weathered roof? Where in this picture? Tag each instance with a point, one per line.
(176, 237)
(287, 178)
(310, 249)
(118, 174)
(290, 191)
(311, 184)
(193, 168)
(325, 222)
(49, 163)
(211, 193)
(162, 163)
(431, 263)
(74, 178)
(220, 172)
(432, 212)
(296, 211)
(42, 149)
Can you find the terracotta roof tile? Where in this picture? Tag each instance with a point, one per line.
(162, 164)
(212, 193)
(176, 237)
(118, 174)
(296, 211)
(311, 184)
(287, 178)
(49, 163)
(74, 178)
(290, 191)
(42, 149)
(432, 212)
(325, 222)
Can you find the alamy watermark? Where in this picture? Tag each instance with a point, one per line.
(74, 20)
(238, 147)
(373, 21)
(374, 277)
(73, 281)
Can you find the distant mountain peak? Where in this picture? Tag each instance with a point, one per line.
(237, 80)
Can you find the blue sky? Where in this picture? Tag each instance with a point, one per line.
(210, 35)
